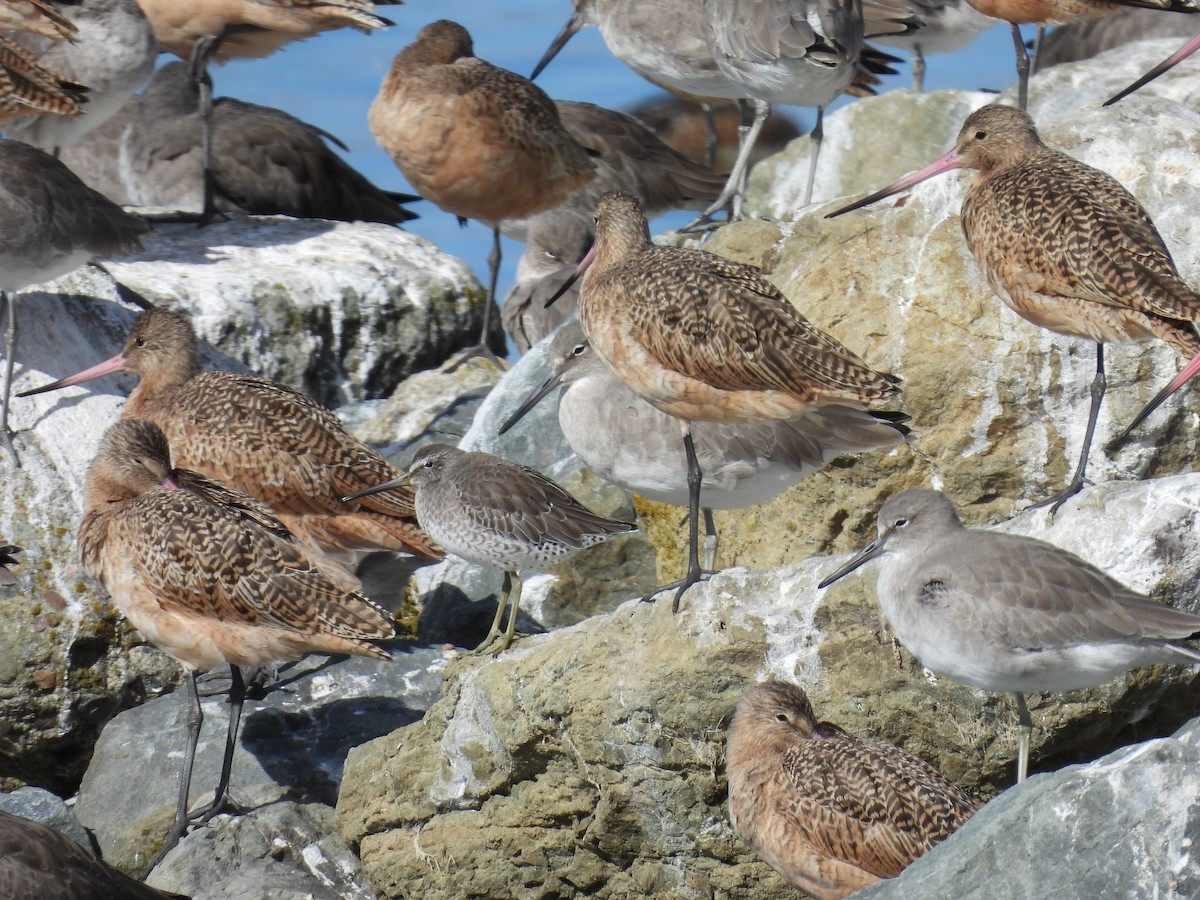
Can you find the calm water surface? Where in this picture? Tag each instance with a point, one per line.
(331, 80)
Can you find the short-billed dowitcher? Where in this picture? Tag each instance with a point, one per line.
(493, 512)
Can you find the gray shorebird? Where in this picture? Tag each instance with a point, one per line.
(113, 53)
(945, 26)
(631, 443)
(493, 512)
(706, 339)
(210, 576)
(199, 31)
(265, 162)
(479, 141)
(1064, 245)
(1169, 63)
(1003, 612)
(39, 863)
(52, 223)
(829, 811)
(265, 439)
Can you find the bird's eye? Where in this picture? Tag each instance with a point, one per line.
(980, 135)
(781, 717)
(578, 349)
(429, 464)
(141, 342)
(900, 523)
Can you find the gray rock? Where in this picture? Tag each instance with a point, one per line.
(282, 851)
(47, 808)
(292, 746)
(1123, 826)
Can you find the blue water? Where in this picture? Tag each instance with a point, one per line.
(331, 80)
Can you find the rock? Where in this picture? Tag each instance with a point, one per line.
(281, 851)
(291, 746)
(43, 806)
(588, 761)
(1122, 826)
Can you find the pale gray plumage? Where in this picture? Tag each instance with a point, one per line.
(1004, 612)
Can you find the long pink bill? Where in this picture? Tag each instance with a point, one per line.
(108, 367)
(937, 167)
(573, 277)
(1170, 62)
(1189, 372)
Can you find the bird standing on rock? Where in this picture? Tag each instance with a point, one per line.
(1064, 245)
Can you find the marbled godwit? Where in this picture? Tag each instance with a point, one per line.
(631, 443)
(53, 223)
(1170, 62)
(264, 439)
(38, 863)
(479, 141)
(264, 161)
(555, 242)
(113, 54)
(1064, 245)
(946, 26)
(1058, 12)
(706, 339)
(202, 30)
(36, 17)
(8, 558)
(1003, 612)
(829, 811)
(209, 575)
(493, 512)
(27, 88)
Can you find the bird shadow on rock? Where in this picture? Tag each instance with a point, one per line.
(186, 243)
(304, 750)
(451, 615)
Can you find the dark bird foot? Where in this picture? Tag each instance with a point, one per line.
(679, 587)
(1061, 497)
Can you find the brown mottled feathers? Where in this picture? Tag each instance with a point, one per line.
(27, 87)
(716, 320)
(203, 549)
(1073, 250)
(36, 17)
(265, 439)
(479, 141)
(830, 812)
(39, 863)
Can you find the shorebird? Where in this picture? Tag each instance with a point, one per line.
(1064, 245)
(1058, 12)
(555, 242)
(27, 88)
(829, 811)
(493, 512)
(8, 558)
(36, 17)
(113, 54)
(1085, 38)
(212, 577)
(265, 161)
(629, 442)
(1170, 62)
(946, 26)
(52, 223)
(38, 863)
(706, 339)
(264, 439)
(1003, 612)
(477, 140)
(200, 31)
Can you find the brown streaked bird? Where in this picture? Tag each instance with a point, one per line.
(212, 577)
(200, 31)
(479, 141)
(706, 339)
(28, 88)
(39, 863)
(51, 223)
(829, 811)
(265, 439)
(493, 512)
(1064, 245)
(265, 162)
(8, 558)
(1059, 12)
